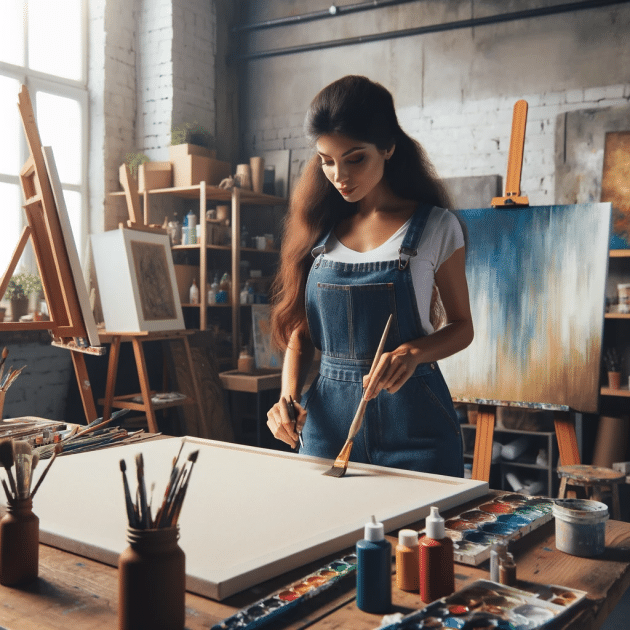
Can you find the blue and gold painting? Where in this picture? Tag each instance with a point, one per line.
(537, 278)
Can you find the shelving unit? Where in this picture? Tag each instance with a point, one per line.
(237, 197)
(619, 267)
(540, 439)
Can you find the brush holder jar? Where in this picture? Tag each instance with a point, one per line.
(19, 544)
(152, 581)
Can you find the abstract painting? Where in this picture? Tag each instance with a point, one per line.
(536, 278)
(616, 185)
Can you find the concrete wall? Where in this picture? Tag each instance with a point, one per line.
(454, 90)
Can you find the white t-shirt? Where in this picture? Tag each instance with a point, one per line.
(441, 237)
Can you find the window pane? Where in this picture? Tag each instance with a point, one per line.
(59, 123)
(73, 205)
(54, 37)
(10, 199)
(12, 32)
(11, 128)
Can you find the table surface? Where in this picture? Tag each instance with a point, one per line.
(74, 592)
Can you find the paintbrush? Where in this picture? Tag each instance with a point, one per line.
(23, 454)
(7, 460)
(142, 491)
(5, 354)
(179, 500)
(58, 449)
(341, 463)
(131, 515)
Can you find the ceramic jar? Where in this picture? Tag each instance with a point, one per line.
(19, 544)
(152, 581)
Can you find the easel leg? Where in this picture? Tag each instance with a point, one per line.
(143, 377)
(568, 451)
(85, 388)
(482, 458)
(112, 371)
(201, 424)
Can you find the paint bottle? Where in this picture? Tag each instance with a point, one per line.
(374, 570)
(437, 564)
(407, 558)
(19, 543)
(194, 293)
(507, 570)
(152, 581)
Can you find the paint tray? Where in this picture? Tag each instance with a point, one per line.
(507, 517)
(490, 605)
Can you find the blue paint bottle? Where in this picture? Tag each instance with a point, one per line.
(374, 570)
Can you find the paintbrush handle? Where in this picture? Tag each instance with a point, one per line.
(358, 416)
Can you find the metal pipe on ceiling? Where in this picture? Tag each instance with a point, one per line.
(332, 11)
(433, 28)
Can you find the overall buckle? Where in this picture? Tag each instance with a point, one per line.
(404, 254)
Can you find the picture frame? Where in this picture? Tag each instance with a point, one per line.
(136, 281)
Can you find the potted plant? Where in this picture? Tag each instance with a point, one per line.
(613, 366)
(21, 286)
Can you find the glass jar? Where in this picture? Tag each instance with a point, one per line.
(19, 543)
(152, 581)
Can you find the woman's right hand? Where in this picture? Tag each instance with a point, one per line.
(281, 425)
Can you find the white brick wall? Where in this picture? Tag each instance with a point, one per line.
(471, 138)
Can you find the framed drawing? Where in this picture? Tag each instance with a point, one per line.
(265, 353)
(136, 281)
(71, 248)
(537, 279)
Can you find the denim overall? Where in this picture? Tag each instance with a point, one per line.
(347, 307)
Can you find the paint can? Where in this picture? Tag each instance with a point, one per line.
(580, 526)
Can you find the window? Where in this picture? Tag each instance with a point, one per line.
(43, 45)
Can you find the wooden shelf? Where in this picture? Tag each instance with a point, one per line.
(617, 316)
(619, 253)
(622, 392)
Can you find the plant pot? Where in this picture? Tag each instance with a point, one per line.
(614, 380)
(19, 307)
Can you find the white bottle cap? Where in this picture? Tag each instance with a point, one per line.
(374, 531)
(435, 525)
(408, 538)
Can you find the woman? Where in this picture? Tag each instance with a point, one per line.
(366, 235)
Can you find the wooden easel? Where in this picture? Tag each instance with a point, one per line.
(67, 324)
(564, 424)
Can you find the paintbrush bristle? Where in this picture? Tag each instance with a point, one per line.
(123, 465)
(193, 456)
(35, 460)
(5, 352)
(21, 447)
(7, 457)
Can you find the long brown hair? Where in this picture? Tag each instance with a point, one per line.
(363, 110)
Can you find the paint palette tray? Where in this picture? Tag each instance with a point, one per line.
(278, 604)
(507, 517)
(486, 604)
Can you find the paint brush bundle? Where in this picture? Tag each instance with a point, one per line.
(139, 512)
(19, 454)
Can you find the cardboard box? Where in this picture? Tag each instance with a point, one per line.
(152, 175)
(177, 151)
(190, 170)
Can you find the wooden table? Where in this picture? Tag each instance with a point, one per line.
(74, 592)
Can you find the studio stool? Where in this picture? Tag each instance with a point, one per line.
(592, 480)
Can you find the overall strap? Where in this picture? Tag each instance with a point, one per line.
(413, 235)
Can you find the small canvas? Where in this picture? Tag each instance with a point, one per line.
(136, 280)
(265, 353)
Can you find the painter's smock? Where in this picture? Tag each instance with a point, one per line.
(347, 307)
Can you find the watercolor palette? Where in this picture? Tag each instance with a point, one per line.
(488, 605)
(507, 517)
(272, 607)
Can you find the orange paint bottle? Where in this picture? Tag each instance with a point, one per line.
(437, 565)
(407, 577)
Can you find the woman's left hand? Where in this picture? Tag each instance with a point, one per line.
(392, 371)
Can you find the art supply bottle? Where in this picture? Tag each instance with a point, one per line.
(194, 293)
(407, 558)
(191, 220)
(507, 570)
(437, 565)
(497, 553)
(374, 570)
(245, 361)
(19, 544)
(152, 581)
